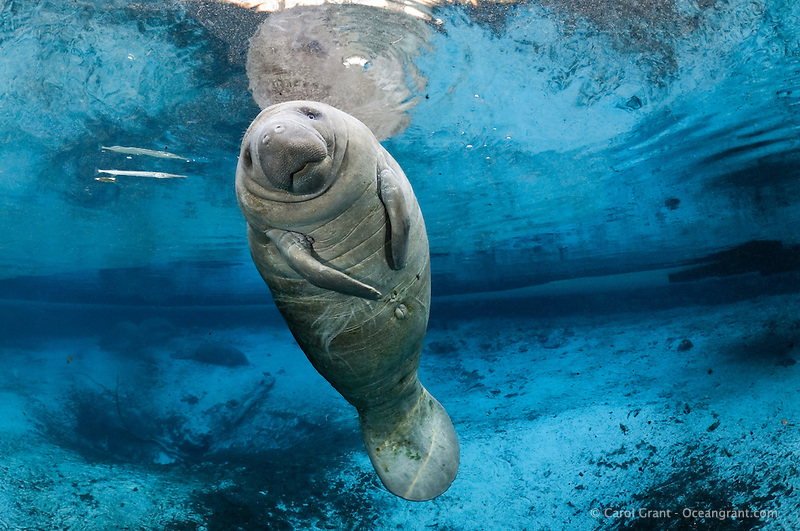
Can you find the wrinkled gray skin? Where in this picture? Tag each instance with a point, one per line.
(337, 235)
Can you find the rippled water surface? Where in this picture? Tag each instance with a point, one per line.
(546, 140)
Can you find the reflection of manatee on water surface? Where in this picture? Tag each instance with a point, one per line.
(337, 234)
(356, 58)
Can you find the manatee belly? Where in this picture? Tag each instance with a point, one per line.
(368, 350)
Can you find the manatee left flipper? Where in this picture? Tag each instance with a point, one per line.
(394, 201)
(295, 248)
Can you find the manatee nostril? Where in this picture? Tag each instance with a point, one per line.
(278, 129)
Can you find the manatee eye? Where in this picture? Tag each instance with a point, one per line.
(310, 114)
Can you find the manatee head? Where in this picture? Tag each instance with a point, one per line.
(302, 162)
(289, 153)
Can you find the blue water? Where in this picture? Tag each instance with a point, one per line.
(600, 181)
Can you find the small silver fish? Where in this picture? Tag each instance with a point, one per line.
(136, 173)
(142, 151)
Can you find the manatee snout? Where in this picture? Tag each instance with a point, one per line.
(287, 152)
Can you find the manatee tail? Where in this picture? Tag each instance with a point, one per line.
(415, 452)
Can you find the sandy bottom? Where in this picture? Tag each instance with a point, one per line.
(667, 420)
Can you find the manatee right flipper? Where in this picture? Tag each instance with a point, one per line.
(295, 248)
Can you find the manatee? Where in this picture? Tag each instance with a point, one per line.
(337, 234)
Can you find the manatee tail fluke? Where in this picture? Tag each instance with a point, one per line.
(415, 453)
